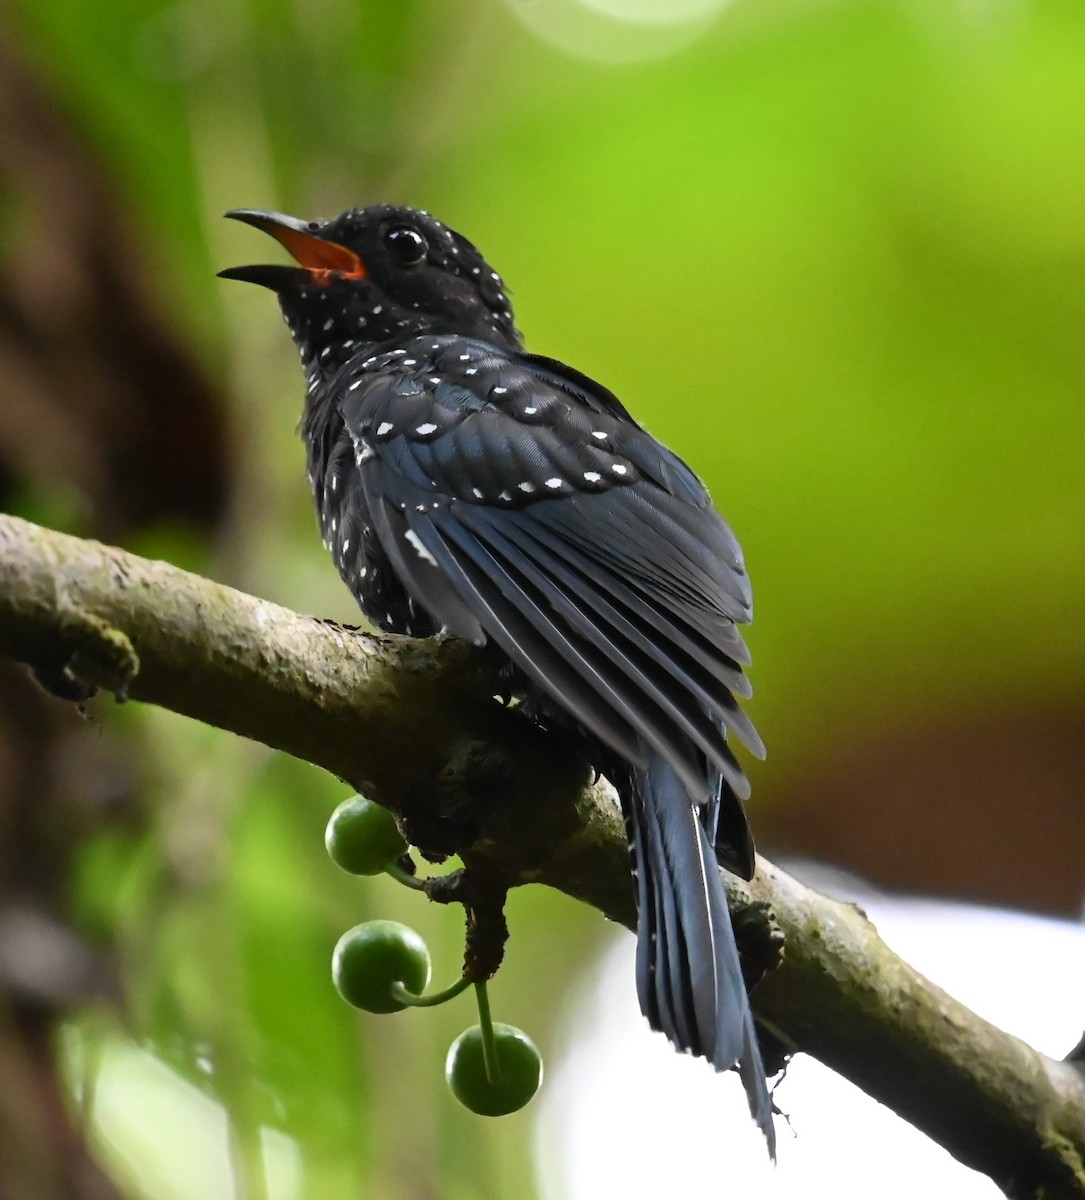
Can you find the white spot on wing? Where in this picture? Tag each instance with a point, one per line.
(423, 553)
(384, 427)
(427, 428)
(592, 476)
(555, 483)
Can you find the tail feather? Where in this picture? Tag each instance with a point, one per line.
(728, 830)
(665, 987)
(689, 979)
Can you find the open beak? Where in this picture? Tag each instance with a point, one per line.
(319, 261)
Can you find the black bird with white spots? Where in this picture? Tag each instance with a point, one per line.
(466, 486)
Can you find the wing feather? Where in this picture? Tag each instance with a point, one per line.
(528, 635)
(553, 524)
(655, 674)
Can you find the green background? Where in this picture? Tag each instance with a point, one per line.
(832, 252)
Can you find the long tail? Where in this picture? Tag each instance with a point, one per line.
(688, 975)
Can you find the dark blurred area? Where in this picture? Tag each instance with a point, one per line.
(110, 423)
(833, 255)
(109, 428)
(987, 810)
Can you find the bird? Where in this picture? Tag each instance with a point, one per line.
(469, 488)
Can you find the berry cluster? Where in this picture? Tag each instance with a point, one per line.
(384, 967)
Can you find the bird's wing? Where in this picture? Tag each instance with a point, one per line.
(512, 501)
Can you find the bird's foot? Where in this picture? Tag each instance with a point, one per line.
(760, 940)
(482, 895)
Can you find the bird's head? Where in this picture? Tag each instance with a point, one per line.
(375, 275)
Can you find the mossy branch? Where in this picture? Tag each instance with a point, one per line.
(414, 725)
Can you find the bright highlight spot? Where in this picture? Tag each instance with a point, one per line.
(167, 1138)
(618, 31)
(657, 12)
(625, 1116)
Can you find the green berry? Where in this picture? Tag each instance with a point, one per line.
(519, 1071)
(362, 837)
(369, 958)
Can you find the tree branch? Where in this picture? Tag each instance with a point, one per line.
(413, 724)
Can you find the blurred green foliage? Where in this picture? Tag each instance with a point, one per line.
(833, 253)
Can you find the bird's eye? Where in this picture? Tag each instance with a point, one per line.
(406, 245)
